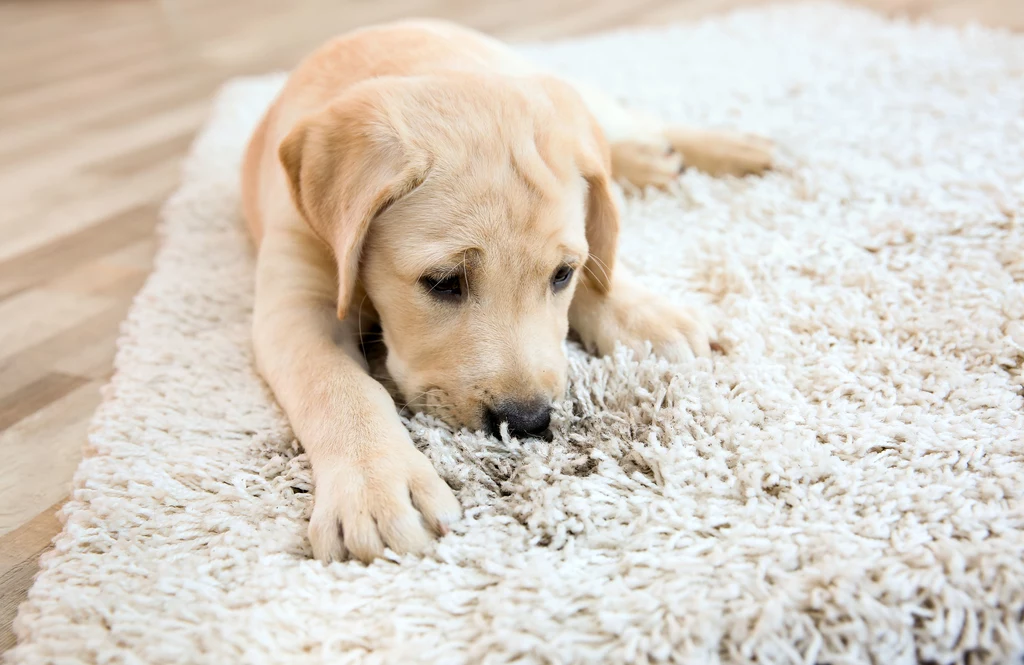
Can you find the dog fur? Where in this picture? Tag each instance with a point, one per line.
(404, 163)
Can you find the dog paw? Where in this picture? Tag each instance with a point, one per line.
(675, 333)
(719, 152)
(653, 163)
(392, 498)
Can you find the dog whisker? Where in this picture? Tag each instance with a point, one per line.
(600, 264)
(591, 272)
(425, 393)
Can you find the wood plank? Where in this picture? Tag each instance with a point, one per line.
(66, 253)
(118, 274)
(35, 396)
(26, 313)
(59, 351)
(78, 203)
(40, 448)
(154, 153)
(41, 131)
(19, 562)
(37, 170)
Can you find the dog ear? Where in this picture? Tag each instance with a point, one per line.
(602, 222)
(592, 158)
(345, 165)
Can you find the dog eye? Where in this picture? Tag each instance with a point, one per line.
(443, 288)
(561, 278)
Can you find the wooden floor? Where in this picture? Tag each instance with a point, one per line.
(99, 101)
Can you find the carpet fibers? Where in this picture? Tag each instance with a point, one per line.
(845, 485)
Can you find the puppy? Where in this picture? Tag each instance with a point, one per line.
(427, 179)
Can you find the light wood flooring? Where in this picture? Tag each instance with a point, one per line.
(98, 103)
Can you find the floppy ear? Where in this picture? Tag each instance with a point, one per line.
(345, 165)
(602, 223)
(593, 159)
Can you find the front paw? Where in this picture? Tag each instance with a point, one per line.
(674, 332)
(390, 496)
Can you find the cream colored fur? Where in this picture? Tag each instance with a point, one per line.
(418, 149)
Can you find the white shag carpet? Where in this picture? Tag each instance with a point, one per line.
(845, 486)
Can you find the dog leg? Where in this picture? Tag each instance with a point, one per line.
(632, 315)
(647, 152)
(721, 152)
(373, 489)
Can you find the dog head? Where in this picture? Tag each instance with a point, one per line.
(468, 209)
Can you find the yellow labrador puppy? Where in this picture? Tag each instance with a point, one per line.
(425, 178)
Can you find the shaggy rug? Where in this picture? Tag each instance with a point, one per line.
(844, 485)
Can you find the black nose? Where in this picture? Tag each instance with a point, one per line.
(524, 418)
